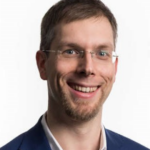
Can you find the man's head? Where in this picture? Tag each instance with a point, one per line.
(72, 10)
(80, 36)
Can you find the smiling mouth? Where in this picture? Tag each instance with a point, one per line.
(84, 89)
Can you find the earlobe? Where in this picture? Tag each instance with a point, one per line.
(41, 64)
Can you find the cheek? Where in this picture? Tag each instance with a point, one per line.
(108, 73)
(62, 70)
(65, 67)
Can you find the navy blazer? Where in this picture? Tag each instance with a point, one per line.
(35, 139)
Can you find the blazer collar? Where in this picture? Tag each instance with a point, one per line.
(35, 139)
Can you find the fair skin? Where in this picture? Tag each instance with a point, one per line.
(74, 116)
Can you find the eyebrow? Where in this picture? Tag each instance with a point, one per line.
(75, 45)
(106, 46)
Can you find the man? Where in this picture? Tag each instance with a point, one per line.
(77, 58)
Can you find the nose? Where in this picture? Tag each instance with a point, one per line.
(86, 66)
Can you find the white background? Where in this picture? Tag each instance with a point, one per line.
(23, 95)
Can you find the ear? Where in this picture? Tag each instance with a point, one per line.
(41, 59)
(116, 65)
(116, 68)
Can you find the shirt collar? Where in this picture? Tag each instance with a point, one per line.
(55, 145)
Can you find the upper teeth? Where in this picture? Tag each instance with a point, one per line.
(84, 89)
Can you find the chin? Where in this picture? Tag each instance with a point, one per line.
(80, 111)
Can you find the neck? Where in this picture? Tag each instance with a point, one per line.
(73, 134)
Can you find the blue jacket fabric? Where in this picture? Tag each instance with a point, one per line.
(35, 139)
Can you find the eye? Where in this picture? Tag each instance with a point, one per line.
(70, 53)
(103, 54)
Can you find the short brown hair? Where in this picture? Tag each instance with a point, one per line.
(70, 10)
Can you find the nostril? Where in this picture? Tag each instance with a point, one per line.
(82, 72)
(86, 73)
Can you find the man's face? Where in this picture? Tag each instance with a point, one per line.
(79, 87)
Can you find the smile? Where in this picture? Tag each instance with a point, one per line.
(84, 89)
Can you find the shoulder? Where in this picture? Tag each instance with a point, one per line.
(117, 140)
(32, 139)
(14, 144)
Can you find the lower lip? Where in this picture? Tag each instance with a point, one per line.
(83, 95)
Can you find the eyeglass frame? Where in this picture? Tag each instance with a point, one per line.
(81, 53)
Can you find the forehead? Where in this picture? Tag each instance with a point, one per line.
(87, 33)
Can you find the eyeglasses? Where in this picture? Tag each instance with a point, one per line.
(105, 55)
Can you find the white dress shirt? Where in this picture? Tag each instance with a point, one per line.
(55, 145)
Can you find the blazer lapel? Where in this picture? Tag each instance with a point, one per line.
(35, 139)
(113, 143)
